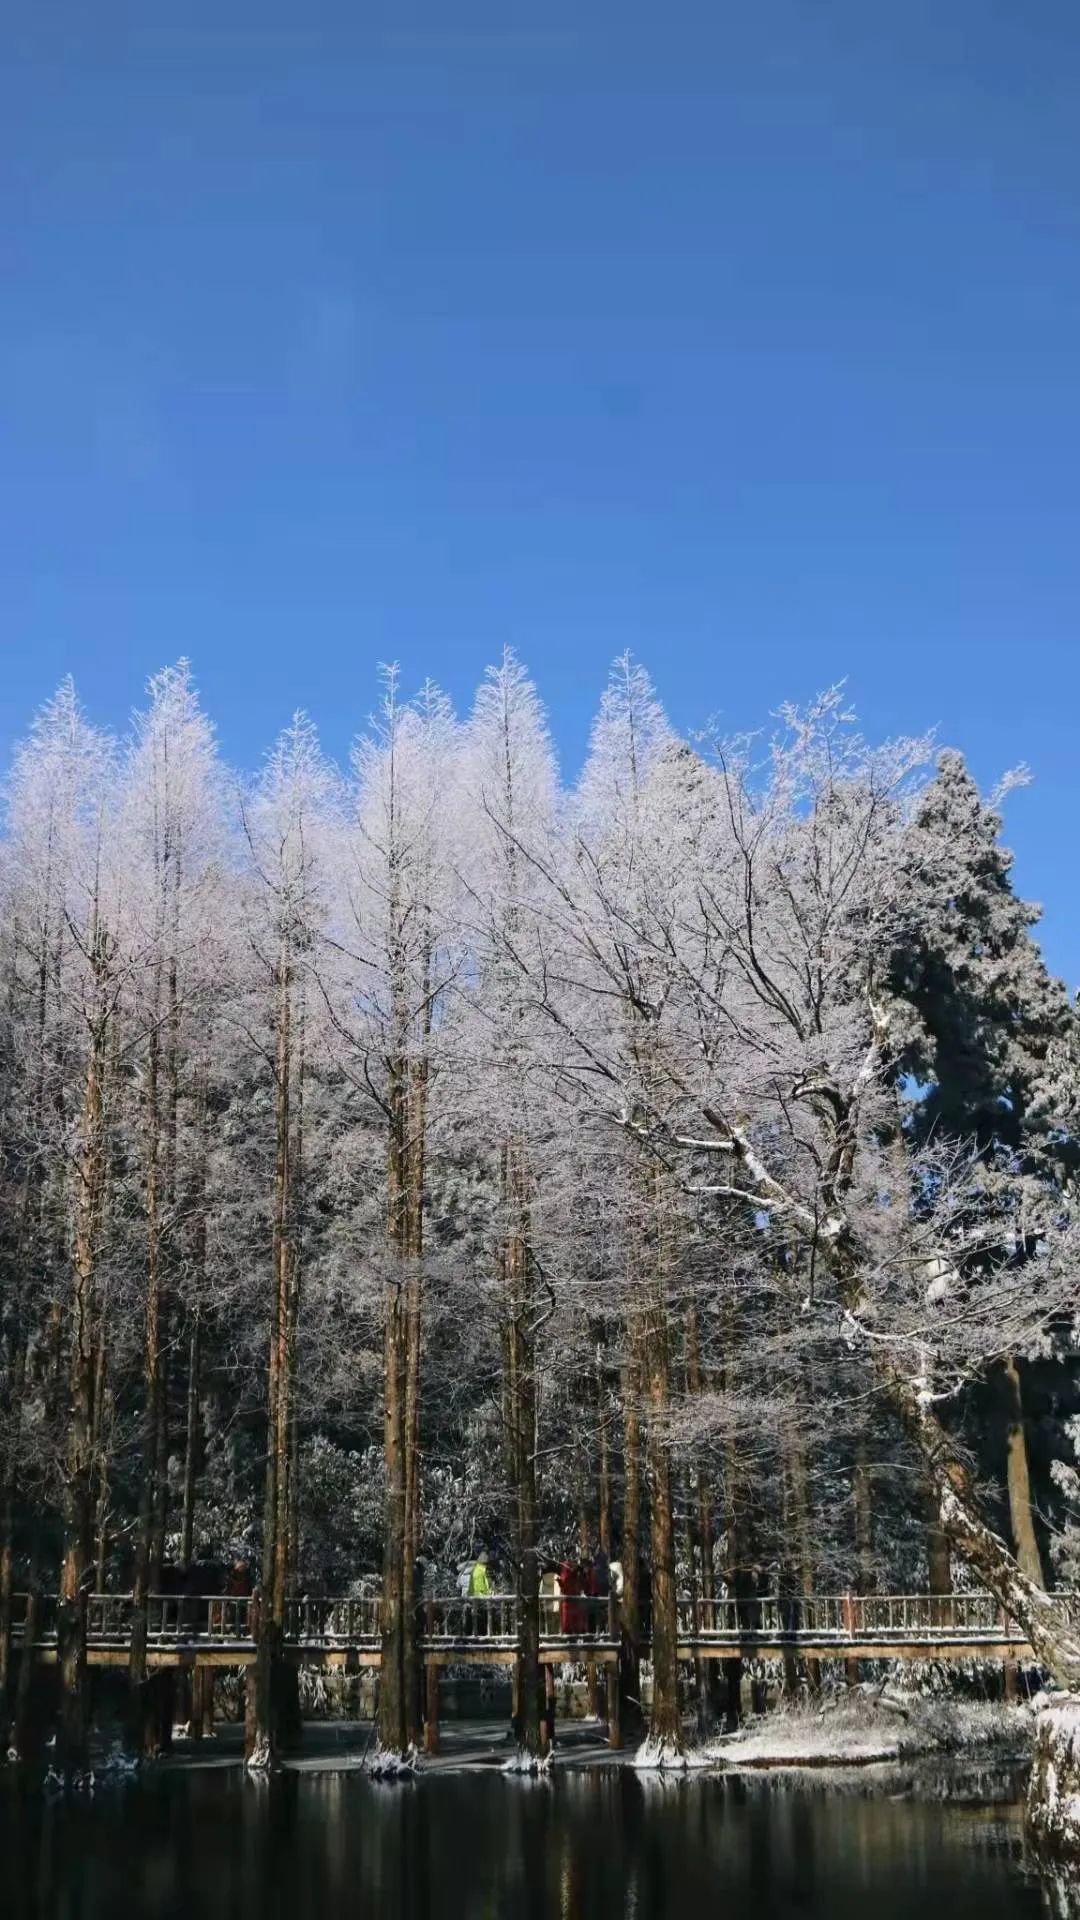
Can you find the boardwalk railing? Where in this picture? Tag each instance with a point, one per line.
(848, 1618)
(949, 1622)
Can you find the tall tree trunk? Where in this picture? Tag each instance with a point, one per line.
(803, 1570)
(665, 1723)
(938, 1550)
(393, 1703)
(521, 1433)
(414, 1248)
(7, 1529)
(1021, 1514)
(862, 1529)
(604, 1488)
(665, 1726)
(192, 1440)
(701, 1493)
(144, 1723)
(262, 1738)
(192, 1420)
(735, 1544)
(863, 1518)
(103, 1451)
(630, 1611)
(78, 1499)
(7, 1583)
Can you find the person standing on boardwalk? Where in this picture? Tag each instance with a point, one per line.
(479, 1578)
(570, 1604)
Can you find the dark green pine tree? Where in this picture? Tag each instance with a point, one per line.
(993, 1044)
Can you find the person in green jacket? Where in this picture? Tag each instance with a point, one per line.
(480, 1579)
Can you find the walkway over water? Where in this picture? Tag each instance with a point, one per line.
(215, 1630)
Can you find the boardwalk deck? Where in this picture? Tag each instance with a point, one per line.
(329, 1631)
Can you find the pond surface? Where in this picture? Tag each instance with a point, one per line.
(206, 1844)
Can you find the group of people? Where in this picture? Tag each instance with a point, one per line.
(569, 1589)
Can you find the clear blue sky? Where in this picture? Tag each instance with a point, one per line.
(743, 336)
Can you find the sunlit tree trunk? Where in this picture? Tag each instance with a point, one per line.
(7, 1528)
(520, 1307)
(630, 1652)
(393, 1703)
(144, 1723)
(263, 1729)
(413, 1230)
(1021, 1513)
(665, 1726)
(78, 1500)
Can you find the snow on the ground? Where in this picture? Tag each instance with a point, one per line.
(382, 1764)
(663, 1756)
(874, 1726)
(528, 1763)
(1054, 1792)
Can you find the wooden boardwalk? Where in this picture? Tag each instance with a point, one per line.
(211, 1630)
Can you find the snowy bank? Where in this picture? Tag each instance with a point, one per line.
(874, 1727)
(1054, 1791)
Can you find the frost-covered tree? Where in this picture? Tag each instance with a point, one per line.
(678, 1161)
(505, 826)
(287, 822)
(170, 830)
(395, 953)
(66, 889)
(801, 900)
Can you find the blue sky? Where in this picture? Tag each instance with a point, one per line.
(745, 337)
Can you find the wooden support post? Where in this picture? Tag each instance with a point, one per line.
(202, 1703)
(431, 1685)
(851, 1664)
(614, 1705)
(549, 1706)
(431, 1706)
(613, 1690)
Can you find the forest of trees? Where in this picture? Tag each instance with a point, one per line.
(430, 1155)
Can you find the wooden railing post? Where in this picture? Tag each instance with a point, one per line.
(1009, 1673)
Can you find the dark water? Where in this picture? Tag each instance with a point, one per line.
(209, 1845)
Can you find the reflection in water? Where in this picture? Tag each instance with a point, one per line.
(206, 1844)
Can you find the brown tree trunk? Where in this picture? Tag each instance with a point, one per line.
(414, 1247)
(78, 1500)
(21, 1734)
(143, 1717)
(192, 1419)
(1021, 1514)
(394, 1712)
(863, 1529)
(263, 1730)
(630, 1611)
(521, 1434)
(708, 1670)
(938, 1550)
(393, 1716)
(102, 1513)
(798, 1484)
(665, 1724)
(191, 1441)
(7, 1535)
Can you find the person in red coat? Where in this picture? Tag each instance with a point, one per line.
(570, 1605)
